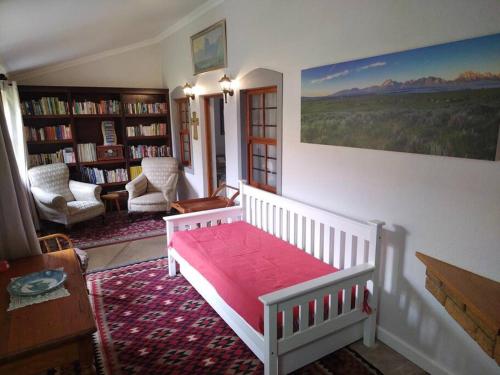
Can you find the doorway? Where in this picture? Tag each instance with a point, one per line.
(215, 144)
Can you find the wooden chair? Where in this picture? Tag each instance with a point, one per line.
(59, 241)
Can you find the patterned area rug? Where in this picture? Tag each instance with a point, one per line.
(115, 228)
(149, 323)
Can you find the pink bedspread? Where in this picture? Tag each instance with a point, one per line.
(243, 262)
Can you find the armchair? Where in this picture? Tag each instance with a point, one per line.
(155, 188)
(62, 200)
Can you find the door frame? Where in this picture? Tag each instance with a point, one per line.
(208, 154)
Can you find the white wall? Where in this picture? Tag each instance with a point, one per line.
(446, 207)
(135, 68)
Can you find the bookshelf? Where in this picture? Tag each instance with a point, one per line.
(82, 116)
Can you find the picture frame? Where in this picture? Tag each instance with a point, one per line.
(209, 48)
(438, 100)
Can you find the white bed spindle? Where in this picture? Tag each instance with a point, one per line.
(328, 245)
(309, 237)
(318, 246)
(300, 232)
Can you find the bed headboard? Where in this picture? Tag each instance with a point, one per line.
(338, 240)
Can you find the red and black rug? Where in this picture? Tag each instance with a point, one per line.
(115, 228)
(149, 323)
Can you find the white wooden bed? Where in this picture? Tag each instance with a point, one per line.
(349, 245)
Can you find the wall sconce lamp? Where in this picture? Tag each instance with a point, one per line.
(188, 91)
(225, 85)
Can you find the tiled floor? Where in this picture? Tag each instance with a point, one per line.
(381, 356)
(126, 252)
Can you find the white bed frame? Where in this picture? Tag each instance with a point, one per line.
(349, 245)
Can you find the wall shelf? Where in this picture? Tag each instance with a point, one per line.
(50, 142)
(472, 300)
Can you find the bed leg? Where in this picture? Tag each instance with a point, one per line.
(270, 340)
(172, 265)
(369, 328)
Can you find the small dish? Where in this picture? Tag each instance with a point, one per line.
(37, 283)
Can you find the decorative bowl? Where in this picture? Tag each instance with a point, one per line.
(37, 283)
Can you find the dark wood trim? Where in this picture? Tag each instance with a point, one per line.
(251, 140)
(208, 144)
(208, 140)
(183, 131)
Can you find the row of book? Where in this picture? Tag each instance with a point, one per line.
(87, 152)
(100, 176)
(66, 155)
(147, 130)
(45, 106)
(145, 108)
(48, 133)
(144, 151)
(135, 171)
(103, 107)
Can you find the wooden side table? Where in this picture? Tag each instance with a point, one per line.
(111, 198)
(52, 333)
(209, 203)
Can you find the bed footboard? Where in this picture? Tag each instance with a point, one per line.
(324, 320)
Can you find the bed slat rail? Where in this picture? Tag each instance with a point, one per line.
(202, 219)
(337, 240)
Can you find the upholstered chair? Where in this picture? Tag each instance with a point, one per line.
(62, 200)
(155, 188)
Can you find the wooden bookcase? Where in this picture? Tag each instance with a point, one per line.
(86, 128)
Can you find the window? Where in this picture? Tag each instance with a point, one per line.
(261, 128)
(184, 138)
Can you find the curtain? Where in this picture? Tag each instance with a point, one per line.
(17, 232)
(12, 113)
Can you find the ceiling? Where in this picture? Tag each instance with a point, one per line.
(35, 33)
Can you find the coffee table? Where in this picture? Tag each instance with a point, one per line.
(52, 333)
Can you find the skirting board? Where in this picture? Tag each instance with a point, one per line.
(413, 354)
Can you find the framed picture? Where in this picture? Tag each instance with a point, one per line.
(208, 48)
(438, 100)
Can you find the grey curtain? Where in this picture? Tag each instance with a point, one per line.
(17, 232)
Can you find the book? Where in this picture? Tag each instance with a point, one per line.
(100, 176)
(145, 151)
(108, 133)
(135, 171)
(139, 108)
(44, 106)
(66, 155)
(103, 107)
(87, 152)
(48, 133)
(147, 130)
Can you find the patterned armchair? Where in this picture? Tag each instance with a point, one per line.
(63, 200)
(155, 188)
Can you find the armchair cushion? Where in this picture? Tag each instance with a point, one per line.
(84, 210)
(52, 178)
(149, 202)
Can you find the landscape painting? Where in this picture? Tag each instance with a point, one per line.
(208, 48)
(438, 100)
